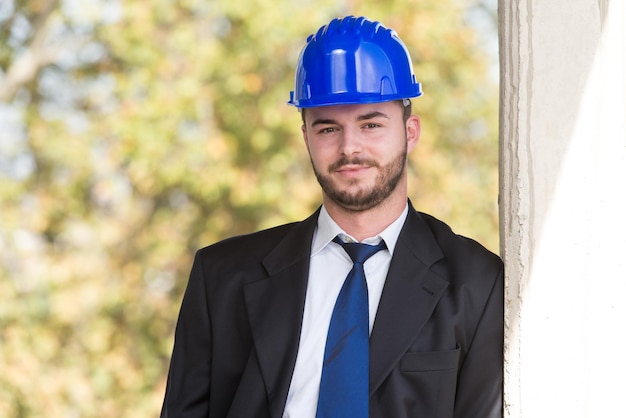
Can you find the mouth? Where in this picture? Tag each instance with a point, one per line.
(352, 170)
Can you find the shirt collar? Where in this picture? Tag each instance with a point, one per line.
(327, 229)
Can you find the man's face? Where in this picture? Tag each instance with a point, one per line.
(359, 152)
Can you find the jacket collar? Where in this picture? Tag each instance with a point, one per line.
(276, 303)
(411, 292)
(275, 306)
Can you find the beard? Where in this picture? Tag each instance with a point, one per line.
(364, 198)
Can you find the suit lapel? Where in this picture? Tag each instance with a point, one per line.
(275, 306)
(276, 303)
(409, 297)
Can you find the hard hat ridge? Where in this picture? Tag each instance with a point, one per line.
(350, 61)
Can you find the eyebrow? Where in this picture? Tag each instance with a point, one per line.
(367, 116)
(372, 115)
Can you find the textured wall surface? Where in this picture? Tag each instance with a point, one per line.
(563, 206)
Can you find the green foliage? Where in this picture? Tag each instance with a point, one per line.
(133, 133)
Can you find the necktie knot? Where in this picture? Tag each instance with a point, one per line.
(359, 252)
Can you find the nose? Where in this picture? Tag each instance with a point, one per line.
(351, 141)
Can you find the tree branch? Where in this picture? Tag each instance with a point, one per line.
(35, 56)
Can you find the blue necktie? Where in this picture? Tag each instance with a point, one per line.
(344, 388)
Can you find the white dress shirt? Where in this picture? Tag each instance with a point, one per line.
(330, 265)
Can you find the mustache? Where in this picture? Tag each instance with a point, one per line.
(343, 161)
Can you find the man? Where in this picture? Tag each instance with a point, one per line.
(260, 331)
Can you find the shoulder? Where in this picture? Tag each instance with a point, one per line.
(287, 239)
(445, 235)
(459, 252)
(252, 243)
(225, 265)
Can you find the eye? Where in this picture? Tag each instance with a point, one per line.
(371, 125)
(328, 130)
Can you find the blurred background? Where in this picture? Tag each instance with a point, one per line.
(134, 132)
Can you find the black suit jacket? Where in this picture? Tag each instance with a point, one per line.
(435, 348)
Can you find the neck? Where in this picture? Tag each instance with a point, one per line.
(362, 224)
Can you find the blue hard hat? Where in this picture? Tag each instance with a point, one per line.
(353, 61)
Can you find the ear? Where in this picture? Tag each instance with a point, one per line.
(413, 131)
(304, 135)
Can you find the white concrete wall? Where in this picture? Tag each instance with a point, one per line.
(563, 206)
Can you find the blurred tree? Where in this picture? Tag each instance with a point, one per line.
(132, 133)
